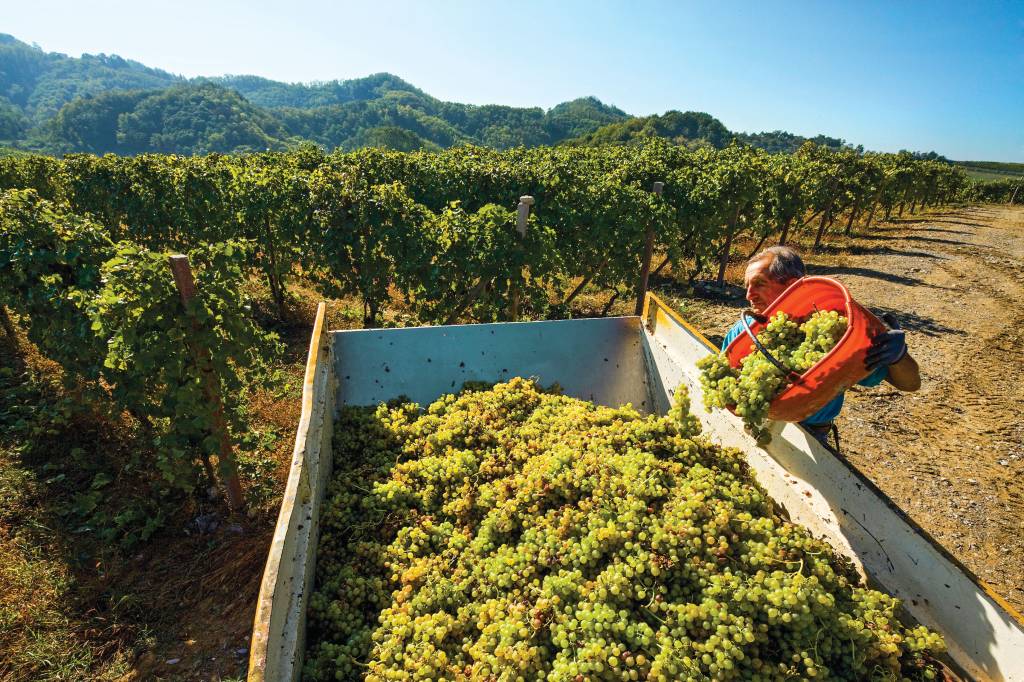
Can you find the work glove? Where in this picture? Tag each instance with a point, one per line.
(888, 347)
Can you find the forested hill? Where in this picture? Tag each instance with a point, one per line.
(694, 129)
(57, 104)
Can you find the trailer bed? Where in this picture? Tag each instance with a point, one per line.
(611, 361)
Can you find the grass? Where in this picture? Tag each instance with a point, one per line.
(47, 634)
(99, 578)
(989, 175)
(1004, 167)
(51, 626)
(35, 625)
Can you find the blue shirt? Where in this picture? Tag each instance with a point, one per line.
(831, 410)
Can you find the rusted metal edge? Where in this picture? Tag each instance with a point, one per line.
(668, 310)
(258, 649)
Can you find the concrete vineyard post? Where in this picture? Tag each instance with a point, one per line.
(185, 282)
(522, 219)
(645, 262)
(525, 202)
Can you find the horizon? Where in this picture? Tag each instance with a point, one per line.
(952, 84)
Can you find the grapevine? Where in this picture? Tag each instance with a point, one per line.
(373, 221)
(109, 314)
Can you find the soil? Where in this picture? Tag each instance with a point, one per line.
(952, 454)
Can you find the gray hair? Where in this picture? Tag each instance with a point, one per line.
(786, 264)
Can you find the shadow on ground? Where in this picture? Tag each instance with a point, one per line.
(939, 229)
(884, 250)
(936, 240)
(838, 270)
(920, 324)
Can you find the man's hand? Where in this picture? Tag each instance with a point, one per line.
(888, 347)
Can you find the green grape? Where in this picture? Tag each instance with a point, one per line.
(822, 331)
(750, 389)
(510, 533)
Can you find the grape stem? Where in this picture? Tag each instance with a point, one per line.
(655, 618)
(790, 375)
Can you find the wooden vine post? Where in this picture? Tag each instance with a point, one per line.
(8, 326)
(471, 295)
(645, 262)
(522, 220)
(1014, 197)
(211, 386)
(584, 282)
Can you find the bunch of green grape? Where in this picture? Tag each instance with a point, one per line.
(822, 331)
(750, 388)
(515, 534)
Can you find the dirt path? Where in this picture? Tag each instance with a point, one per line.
(952, 454)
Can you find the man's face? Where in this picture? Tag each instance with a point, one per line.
(761, 288)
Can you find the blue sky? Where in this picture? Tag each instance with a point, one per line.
(947, 76)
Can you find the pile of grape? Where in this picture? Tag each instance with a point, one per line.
(750, 389)
(516, 534)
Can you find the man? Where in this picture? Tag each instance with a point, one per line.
(768, 274)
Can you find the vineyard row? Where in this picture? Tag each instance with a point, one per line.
(84, 243)
(441, 227)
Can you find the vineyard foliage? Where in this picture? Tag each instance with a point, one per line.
(83, 250)
(109, 314)
(439, 226)
(999, 191)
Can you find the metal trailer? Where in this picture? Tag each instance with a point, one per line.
(612, 361)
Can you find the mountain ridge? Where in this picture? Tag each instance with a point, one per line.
(53, 103)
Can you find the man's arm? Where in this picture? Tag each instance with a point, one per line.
(889, 350)
(905, 374)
